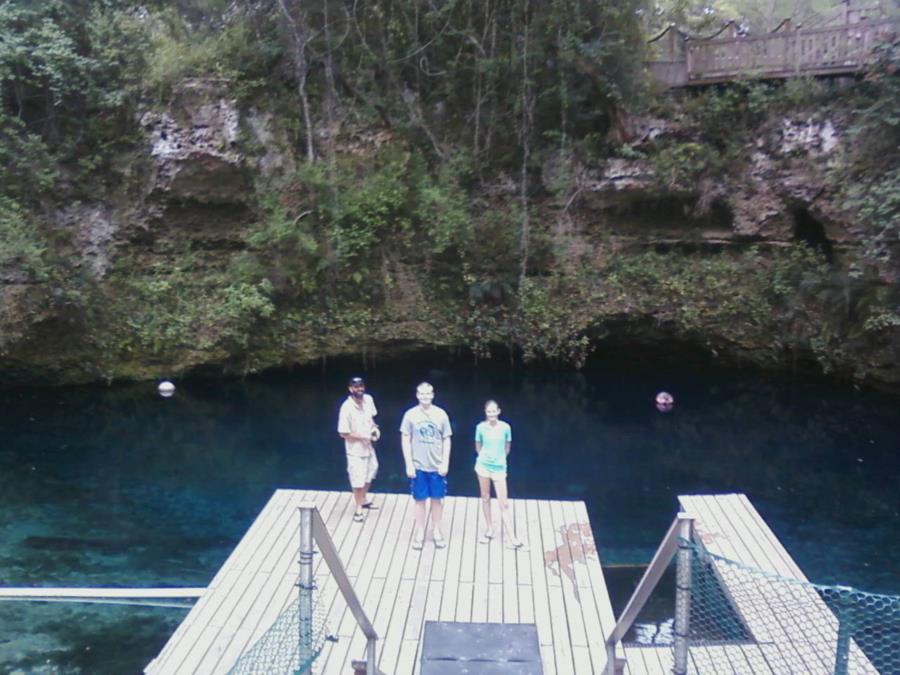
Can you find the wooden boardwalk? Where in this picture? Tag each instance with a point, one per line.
(556, 582)
(844, 48)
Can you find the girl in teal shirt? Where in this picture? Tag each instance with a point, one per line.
(493, 441)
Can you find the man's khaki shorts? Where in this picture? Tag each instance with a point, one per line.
(362, 470)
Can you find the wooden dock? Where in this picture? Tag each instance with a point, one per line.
(555, 582)
(792, 628)
(783, 626)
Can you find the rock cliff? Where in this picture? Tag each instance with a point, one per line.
(159, 294)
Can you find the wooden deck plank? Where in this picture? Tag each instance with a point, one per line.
(481, 577)
(361, 562)
(470, 543)
(389, 569)
(369, 549)
(780, 655)
(769, 555)
(569, 581)
(647, 660)
(439, 566)
(510, 583)
(399, 588)
(826, 624)
(204, 646)
(807, 639)
(391, 613)
(279, 573)
(457, 535)
(278, 596)
(541, 597)
(554, 574)
(175, 649)
(598, 582)
(369, 586)
(583, 549)
(795, 657)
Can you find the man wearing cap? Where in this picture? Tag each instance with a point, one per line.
(425, 438)
(359, 431)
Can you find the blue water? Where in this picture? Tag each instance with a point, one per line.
(117, 486)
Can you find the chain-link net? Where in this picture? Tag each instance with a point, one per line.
(291, 644)
(743, 620)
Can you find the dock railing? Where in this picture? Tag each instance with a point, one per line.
(312, 528)
(673, 543)
(295, 640)
(728, 609)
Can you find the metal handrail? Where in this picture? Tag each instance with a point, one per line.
(681, 528)
(312, 527)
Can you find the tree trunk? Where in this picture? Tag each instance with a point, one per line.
(299, 38)
(331, 100)
(527, 113)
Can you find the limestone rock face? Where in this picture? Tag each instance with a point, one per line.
(782, 175)
(807, 136)
(620, 178)
(192, 203)
(93, 228)
(194, 144)
(273, 140)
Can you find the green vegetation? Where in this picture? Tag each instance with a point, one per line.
(21, 248)
(417, 205)
(69, 73)
(868, 179)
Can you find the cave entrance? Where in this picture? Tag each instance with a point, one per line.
(811, 232)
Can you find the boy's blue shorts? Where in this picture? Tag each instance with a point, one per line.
(428, 484)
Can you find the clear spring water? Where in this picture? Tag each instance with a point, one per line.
(117, 486)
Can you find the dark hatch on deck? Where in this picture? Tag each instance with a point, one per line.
(454, 648)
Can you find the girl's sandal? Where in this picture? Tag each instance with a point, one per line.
(418, 543)
(359, 516)
(486, 536)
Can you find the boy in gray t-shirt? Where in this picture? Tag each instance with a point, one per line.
(425, 438)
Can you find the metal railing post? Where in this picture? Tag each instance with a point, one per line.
(845, 631)
(305, 585)
(371, 667)
(682, 594)
(655, 570)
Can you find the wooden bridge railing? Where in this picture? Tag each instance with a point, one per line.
(829, 50)
(818, 51)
